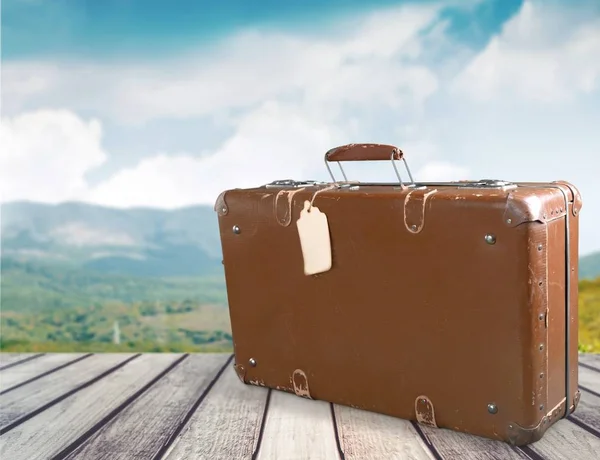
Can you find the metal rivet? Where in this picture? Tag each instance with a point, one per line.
(508, 221)
(575, 211)
(540, 247)
(542, 407)
(490, 239)
(540, 283)
(541, 347)
(224, 209)
(413, 227)
(424, 401)
(236, 229)
(492, 408)
(252, 362)
(545, 216)
(541, 316)
(542, 375)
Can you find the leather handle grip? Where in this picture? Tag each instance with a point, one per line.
(364, 152)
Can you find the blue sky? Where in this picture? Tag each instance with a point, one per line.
(165, 104)
(33, 28)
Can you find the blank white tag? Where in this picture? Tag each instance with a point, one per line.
(315, 241)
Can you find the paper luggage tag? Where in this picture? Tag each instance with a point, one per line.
(315, 241)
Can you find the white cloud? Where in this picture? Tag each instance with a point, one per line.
(545, 53)
(45, 155)
(273, 142)
(361, 63)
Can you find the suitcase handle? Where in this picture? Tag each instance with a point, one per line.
(366, 152)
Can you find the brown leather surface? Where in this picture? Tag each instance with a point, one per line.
(417, 303)
(363, 152)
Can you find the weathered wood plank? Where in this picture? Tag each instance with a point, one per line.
(566, 440)
(8, 360)
(30, 369)
(589, 379)
(297, 428)
(453, 444)
(49, 432)
(144, 427)
(588, 410)
(226, 425)
(26, 399)
(370, 436)
(592, 359)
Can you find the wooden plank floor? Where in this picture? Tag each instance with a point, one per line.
(177, 406)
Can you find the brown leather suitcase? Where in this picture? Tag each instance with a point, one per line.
(450, 304)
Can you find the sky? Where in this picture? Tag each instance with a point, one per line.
(165, 104)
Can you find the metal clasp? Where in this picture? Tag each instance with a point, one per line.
(292, 183)
(492, 183)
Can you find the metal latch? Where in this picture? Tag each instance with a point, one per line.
(293, 183)
(492, 183)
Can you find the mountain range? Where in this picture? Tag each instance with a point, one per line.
(140, 242)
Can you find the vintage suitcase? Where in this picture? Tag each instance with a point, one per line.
(450, 304)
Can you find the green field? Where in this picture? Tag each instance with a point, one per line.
(35, 287)
(62, 308)
(589, 315)
(142, 326)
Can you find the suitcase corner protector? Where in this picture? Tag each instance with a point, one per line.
(518, 435)
(220, 206)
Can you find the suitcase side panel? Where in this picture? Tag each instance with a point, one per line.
(445, 313)
(556, 275)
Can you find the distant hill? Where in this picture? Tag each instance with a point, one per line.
(34, 286)
(138, 242)
(589, 266)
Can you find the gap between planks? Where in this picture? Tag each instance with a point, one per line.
(8, 360)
